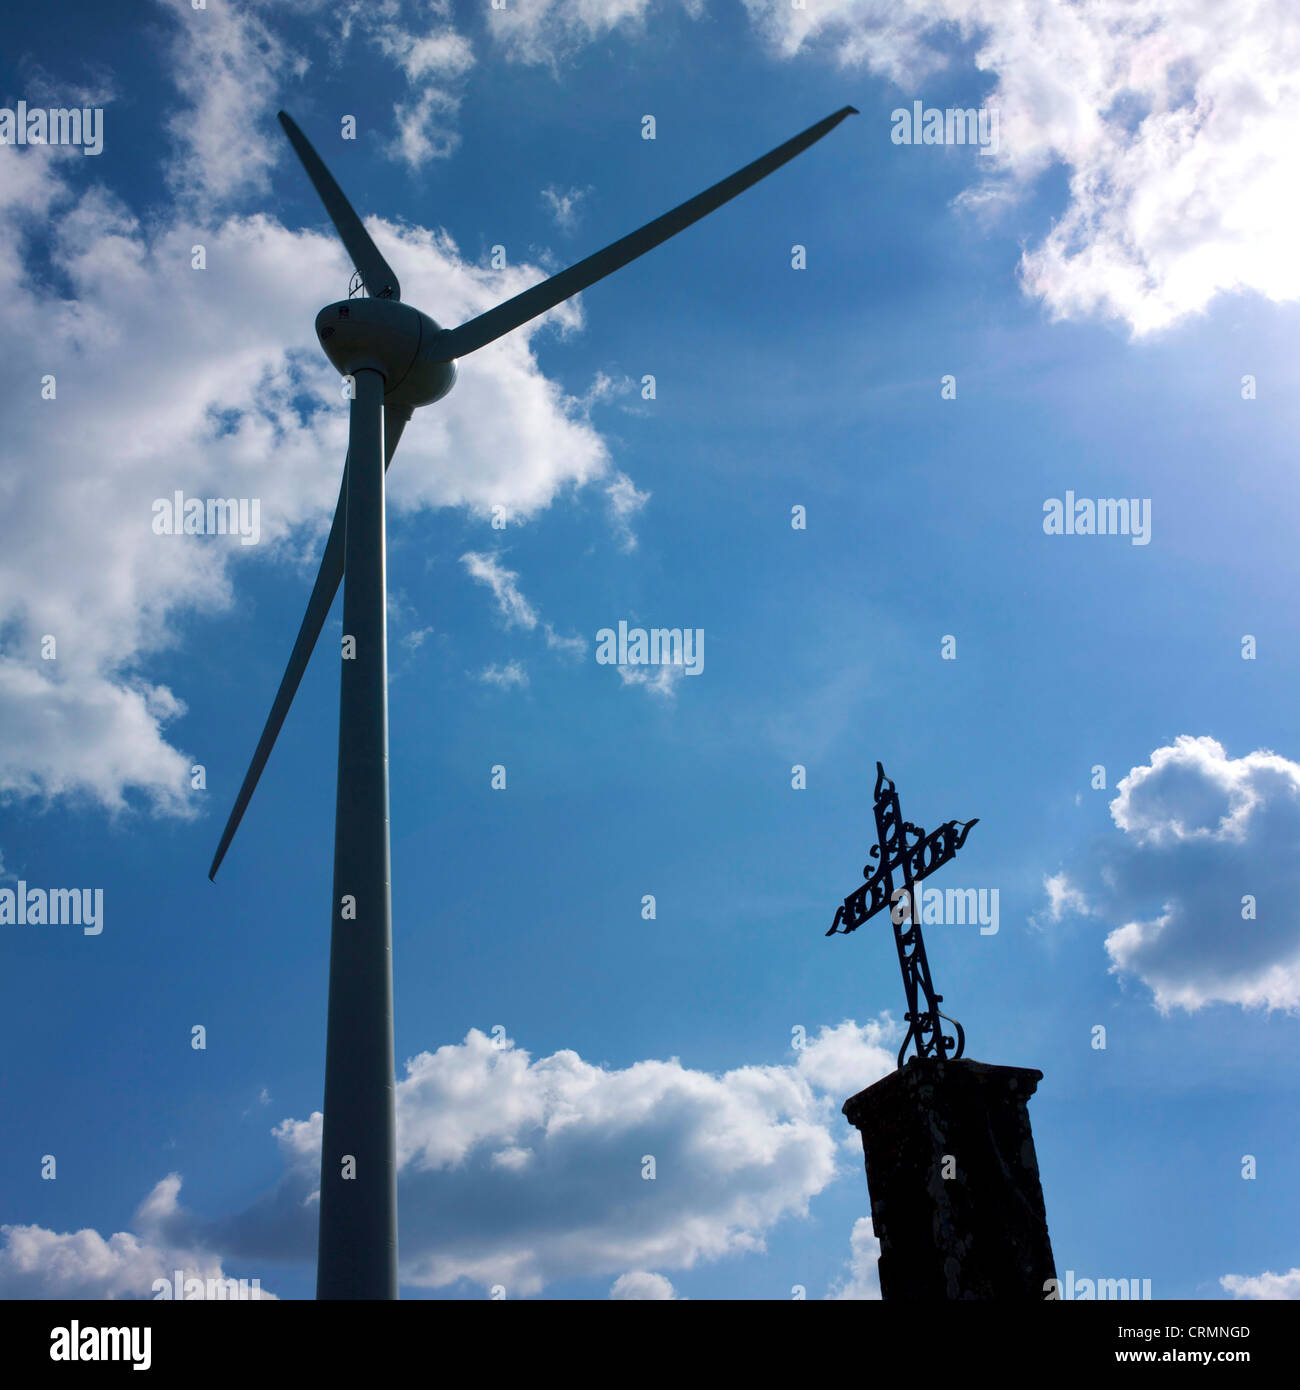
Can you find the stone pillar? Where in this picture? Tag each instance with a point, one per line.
(955, 1197)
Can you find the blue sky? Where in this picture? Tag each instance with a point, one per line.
(1099, 287)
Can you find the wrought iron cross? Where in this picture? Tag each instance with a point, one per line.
(916, 858)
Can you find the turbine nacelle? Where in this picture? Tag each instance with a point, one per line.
(393, 339)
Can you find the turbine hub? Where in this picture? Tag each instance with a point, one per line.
(391, 338)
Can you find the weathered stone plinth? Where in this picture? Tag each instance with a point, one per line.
(955, 1197)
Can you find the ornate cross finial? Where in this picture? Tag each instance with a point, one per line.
(904, 847)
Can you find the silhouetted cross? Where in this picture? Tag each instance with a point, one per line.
(916, 858)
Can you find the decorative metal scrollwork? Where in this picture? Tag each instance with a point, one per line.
(913, 859)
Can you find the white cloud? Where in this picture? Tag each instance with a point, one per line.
(888, 36)
(228, 65)
(548, 31)
(1266, 1285)
(564, 206)
(640, 1284)
(432, 56)
(734, 1153)
(420, 39)
(513, 1158)
(1193, 793)
(523, 1172)
(1180, 134)
(91, 737)
(625, 503)
(1205, 883)
(42, 88)
(1063, 899)
(227, 357)
(424, 128)
(661, 680)
(569, 646)
(435, 64)
(441, 53)
(847, 1059)
(40, 1263)
(604, 388)
(862, 1280)
(515, 610)
(511, 674)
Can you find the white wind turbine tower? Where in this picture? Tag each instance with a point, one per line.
(398, 359)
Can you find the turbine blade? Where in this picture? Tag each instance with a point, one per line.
(376, 273)
(318, 607)
(457, 342)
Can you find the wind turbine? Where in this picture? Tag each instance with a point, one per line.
(397, 358)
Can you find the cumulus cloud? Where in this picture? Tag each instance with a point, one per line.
(90, 737)
(234, 380)
(732, 1154)
(521, 1172)
(1266, 1285)
(40, 1263)
(848, 1058)
(642, 1285)
(1178, 133)
(862, 1280)
(1204, 885)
